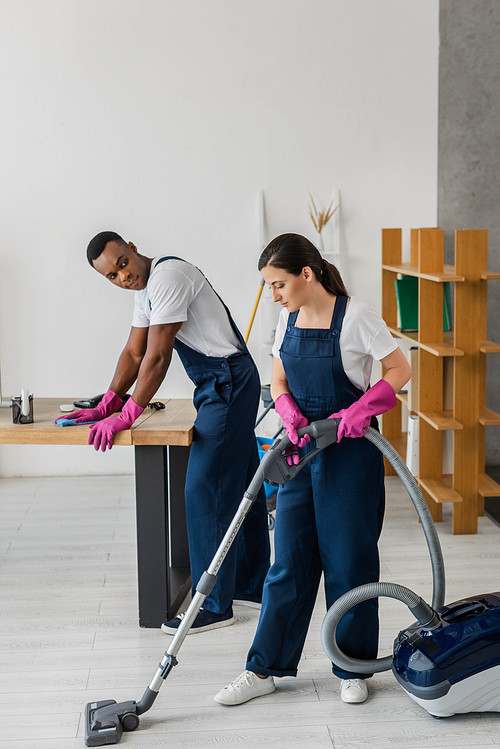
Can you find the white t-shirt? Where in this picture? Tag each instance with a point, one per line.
(178, 292)
(364, 337)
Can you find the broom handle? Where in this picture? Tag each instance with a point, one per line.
(254, 310)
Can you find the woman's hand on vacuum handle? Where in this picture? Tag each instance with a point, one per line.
(109, 403)
(355, 420)
(292, 418)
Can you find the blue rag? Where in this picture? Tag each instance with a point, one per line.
(72, 423)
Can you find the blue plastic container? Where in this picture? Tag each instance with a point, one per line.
(262, 445)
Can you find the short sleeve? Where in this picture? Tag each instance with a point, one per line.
(383, 344)
(364, 337)
(140, 318)
(372, 334)
(170, 293)
(280, 333)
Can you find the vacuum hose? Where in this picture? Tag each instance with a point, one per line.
(425, 614)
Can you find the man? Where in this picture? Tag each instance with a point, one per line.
(176, 307)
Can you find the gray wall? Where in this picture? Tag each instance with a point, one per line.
(469, 151)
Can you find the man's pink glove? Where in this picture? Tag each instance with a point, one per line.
(109, 403)
(293, 419)
(355, 420)
(102, 434)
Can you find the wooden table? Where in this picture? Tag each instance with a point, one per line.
(161, 441)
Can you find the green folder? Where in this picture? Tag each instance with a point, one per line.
(447, 313)
(407, 301)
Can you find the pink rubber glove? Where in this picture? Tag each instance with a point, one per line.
(102, 434)
(292, 455)
(355, 420)
(293, 419)
(109, 403)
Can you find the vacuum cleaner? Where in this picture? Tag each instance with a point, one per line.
(448, 661)
(106, 720)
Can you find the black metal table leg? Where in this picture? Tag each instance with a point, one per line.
(162, 546)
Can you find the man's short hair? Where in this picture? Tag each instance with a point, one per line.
(98, 243)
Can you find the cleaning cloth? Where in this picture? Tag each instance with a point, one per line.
(71, 422)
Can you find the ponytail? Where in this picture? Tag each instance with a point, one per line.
(292, 252)
(331, 279)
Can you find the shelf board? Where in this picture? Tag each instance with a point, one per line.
(440, 489)
(487, 417)
(487, 487)
(406, 269)
(446, 347)
(490, 275)
(403, 397)
(399, 444)
(441, 420)
(442, 348)
(489, 347)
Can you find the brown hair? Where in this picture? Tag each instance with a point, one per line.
(292, 252)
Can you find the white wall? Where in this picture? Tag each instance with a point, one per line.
(162, 120)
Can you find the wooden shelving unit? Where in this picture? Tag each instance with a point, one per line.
(466, 346)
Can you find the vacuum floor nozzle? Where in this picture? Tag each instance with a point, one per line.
(105, 721)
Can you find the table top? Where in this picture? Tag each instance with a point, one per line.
(173, 425)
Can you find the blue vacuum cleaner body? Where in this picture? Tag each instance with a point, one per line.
(448, 660)
(455, 666)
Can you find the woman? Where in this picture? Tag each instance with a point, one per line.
(329, 517)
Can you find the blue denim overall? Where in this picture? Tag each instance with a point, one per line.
(222, 461)
(328, 518)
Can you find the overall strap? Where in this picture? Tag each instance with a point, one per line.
(233, 324)
(338, 313)
(170, 257)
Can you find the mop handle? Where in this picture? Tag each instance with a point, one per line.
(252, 316)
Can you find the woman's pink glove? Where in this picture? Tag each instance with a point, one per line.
(355, 420)
(291, 454)
(109, 403)
(293, 419)
(102, 434)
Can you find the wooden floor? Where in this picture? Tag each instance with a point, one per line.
(69, 635)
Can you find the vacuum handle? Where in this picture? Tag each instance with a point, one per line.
(462, 611)
(322, 428)
(274, 466)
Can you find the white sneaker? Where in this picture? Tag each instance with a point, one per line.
(247, 686)
(353, 690)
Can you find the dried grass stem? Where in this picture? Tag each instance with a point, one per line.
(320, 218)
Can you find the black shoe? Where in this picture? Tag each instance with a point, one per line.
(204, 621)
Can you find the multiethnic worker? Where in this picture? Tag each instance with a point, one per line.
(177, 308)
(329, 516)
